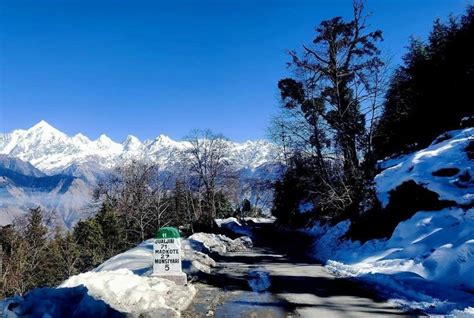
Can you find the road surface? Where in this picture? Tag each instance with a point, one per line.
(275, 279)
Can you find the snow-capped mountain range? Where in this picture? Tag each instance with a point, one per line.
(52, 151)
(42, 166)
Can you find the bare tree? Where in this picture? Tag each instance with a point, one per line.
(138, 192)
(207, 158)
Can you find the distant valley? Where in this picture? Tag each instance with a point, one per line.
(43, 166)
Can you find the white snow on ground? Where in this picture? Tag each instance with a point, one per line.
(224, 222)
(133, 294)
(140, 259)
(420, 165)
(56, 302)
(121, 284)
(232, 220)
(103, 294)
(235, 226)
(428, 262)
(261, 220)
(216, 243)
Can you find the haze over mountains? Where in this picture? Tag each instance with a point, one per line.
(44, 166)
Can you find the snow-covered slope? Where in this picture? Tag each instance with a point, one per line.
(444, 167)
(122, 285)
(51, 151)
(428, 262)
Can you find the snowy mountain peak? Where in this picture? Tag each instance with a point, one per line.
(44, 128)
(42, 124)
(52, 151)
(131, 140)
(131, 143)
(163, 139)
(81, 138)
(104, 143)
(104, 139)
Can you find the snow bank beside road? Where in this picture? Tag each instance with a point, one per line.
(233, 226)
(135, 295)
(216, 243)
(103, 294)
(429, 259)
(140, 259)
(260, 220)
(122, 285)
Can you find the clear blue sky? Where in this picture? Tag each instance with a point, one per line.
(164, 67)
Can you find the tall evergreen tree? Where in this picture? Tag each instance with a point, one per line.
(70, 255)
(113, 229)
(36, 238)
(337, 81)
(53, 266)
(89, 236)
(431, 92)
(27, 255)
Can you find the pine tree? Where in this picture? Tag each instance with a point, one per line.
(113, 229)
(36, 238)
(27, 255)
(70, 254)
(88, 235)
(53, 265)
(431, 92)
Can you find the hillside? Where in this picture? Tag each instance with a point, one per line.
(22, 187)
(428, 260)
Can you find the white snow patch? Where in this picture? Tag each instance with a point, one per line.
(430, 250)
(420, 165)
(234, 226)
(56, 302)
(140, 259)
(428, 261)
(224, 222)
(216, 243)
(260, 220)
(133, 294)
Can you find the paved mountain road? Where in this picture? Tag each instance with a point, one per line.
(278, 281)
